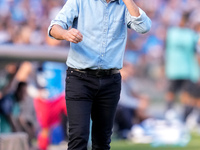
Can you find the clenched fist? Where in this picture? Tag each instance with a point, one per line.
(73, 35)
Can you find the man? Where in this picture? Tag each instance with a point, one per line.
(181, 63)
(98, 38)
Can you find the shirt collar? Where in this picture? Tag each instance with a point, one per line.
(118, 1)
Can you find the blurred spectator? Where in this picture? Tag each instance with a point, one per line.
(171, 15)
(6, 78)
(50, 117)
(50, 104)
(132, 106)
(11, 120)
(181, 63)
(5, 37)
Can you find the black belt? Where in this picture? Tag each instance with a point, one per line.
(97, 72)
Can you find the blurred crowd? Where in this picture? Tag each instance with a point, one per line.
(25, 22)
(148, 50)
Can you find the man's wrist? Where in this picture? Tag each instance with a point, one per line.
(64, 35)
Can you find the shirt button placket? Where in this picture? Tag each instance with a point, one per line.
(104, 36)
(105, 30)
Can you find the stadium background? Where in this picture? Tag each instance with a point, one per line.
(24, 43)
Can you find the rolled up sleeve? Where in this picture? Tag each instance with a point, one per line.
(66, 16)
(56, 22)
(140, 24)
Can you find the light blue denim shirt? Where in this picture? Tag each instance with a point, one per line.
(104, 29)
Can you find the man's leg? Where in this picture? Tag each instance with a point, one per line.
(187, 99)
(124, 117)
(124, 120)
(170, 95)
(174, 87)
(79, 122)
(78, 101)
(103, 111)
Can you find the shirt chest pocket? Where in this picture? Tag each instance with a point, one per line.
(117, 28)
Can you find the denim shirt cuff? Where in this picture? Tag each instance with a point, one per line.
(139, 19)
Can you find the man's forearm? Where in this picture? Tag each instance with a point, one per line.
(132, 8)
(57, 32)
(71, 35)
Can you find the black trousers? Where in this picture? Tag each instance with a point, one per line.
(91, 96)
